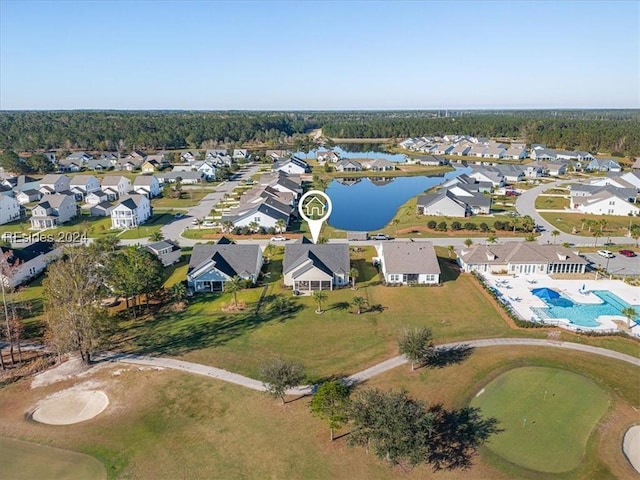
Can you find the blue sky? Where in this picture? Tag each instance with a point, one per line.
(215, 55)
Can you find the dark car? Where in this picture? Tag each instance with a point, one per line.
(627, 253)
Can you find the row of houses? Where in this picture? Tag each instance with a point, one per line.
(461, 196)
(269, 204)
(308, 267)
(613, 195)
(462, 145)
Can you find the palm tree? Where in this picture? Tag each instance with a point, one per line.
(554, 234)
(528, 223)
(583, 221)
(450, 249)
(320, 297)
(631, 315)
(254, 226)
(515, 221)
(227, 226)
(395, 223)
(634, 232)
(589, 223)
(468, 242)
(234, 285)
(353, 273)
(596, 234)
(281, 225)
(199, 222)
(156, 236)
(492, 239)
(603, 223)
(358, 302)
(281, 304)
(178, 292)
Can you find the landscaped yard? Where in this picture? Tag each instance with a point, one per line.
(154, 224)
(616, 226)
(551, 203)
(189, 198)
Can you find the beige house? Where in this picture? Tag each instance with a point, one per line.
(308, 267)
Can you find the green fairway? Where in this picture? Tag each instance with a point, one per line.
(547, 415)
(22, 460)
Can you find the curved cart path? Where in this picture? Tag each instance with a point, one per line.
(366, 374)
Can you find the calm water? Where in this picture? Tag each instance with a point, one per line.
(368, 205)
(352, 152)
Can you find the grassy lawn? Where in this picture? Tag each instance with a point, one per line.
(154, 224)
(189, 198)
(616, 226)
(543, 411)
(26, 461)
(208, 425)
(551, 203)
(336, 342)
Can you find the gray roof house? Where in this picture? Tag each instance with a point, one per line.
(408, 263)
(53, 210)
(526, 258)
(167, 251)
(308, 267)
(444, 203)
(212, 265)
(348, 165)
(378, 165)
(102, 209)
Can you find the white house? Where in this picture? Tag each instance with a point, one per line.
(94, 198)
(240, 154)
(408, 263)
(515, 153)
(54, 183)
(27, 263)
(444, 203)
(116, 186)
(604, 203)
(81, 185)
(167, 251)
(293, 166)
(53, 210)
(348, 165)
(28, 196)
(262, 215)
(207, 168)
(146, 185)
(131, 211)
(9, 209)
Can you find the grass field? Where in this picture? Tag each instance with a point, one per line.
(189, 198)
(551, 203)
(168, 425)
(547, 416)
(27, 461)
(616, 226)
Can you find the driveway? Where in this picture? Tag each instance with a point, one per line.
(618, 265)
(525, 205)
(173, 230)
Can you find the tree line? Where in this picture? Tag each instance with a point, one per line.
(599, 130)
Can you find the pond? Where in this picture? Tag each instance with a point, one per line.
(367, 204)
(354, 150)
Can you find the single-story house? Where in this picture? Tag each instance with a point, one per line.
(308, 267)
(378, 165)
(212, 265)
(348, 165)
(408, 263)
(521, 258)
(292, 165)
(94, 198)
(603, 165)
(443, 203)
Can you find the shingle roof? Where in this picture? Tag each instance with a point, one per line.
(331, 258)
(410, 257)
(231, 259)
(519, 252)
(28, 253)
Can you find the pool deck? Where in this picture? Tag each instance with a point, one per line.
(516, 290)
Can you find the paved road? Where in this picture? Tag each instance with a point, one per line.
(226, 376)
(525, 204)
(173, 230)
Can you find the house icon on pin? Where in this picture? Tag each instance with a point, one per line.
(314, 207)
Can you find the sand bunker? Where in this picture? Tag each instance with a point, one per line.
(71, 406)
(631, 446)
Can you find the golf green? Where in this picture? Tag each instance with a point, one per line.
(547, 415)
(28, 461)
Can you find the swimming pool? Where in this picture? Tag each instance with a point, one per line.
(583, 314)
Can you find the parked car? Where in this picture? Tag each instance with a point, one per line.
(627, 253)
(605, 253)
(279, 238)
(380, 236)
(511, 193)
(178, 215)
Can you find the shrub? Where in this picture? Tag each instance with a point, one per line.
(470, 226)
(484, 227)
(442, 226)
(431, 224)
(456, 226)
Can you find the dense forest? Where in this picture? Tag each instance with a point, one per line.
(613, 131)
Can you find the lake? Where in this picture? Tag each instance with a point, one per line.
(357, 151)
(365, 205)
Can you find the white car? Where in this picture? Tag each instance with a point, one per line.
(279, 238)
(605, 253)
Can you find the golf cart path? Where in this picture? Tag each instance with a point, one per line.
(230, 377)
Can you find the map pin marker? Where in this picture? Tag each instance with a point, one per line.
(314, 208)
